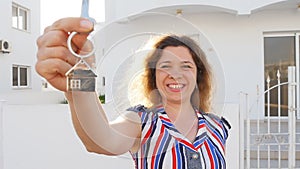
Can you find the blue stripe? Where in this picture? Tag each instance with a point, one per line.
(215, 131)
(160, 150)
(221, 160)
(144, 119)
(167, 123)
(213, 153)
(200, 139)
(165, 149)
(220, 157)
(178, 155)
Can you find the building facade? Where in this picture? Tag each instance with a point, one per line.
(20, 27)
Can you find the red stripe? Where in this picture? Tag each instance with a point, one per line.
(174, 159)
(157, 145)
(217, 123)
(147, 135)
(210, 156)
(164, 118)
(201, 126)
(186, 143)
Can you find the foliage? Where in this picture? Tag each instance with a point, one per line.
(102, 98)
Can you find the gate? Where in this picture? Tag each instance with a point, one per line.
(271, 141)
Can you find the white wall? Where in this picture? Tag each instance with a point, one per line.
(2, 104)
(116, 10)
(42, 136)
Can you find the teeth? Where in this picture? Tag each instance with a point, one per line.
(178, 86)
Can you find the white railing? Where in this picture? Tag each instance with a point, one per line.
(292, 116)
(270, 140)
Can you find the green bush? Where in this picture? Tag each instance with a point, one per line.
(102, 98)
(65, 101)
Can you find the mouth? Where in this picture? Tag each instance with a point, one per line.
(175, 87)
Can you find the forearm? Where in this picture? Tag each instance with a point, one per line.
(90, 121)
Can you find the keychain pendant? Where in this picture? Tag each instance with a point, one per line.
(81, 78)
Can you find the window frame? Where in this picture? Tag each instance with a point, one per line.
(296, 35)
(17, 25)
(75, 84)
(28, 77)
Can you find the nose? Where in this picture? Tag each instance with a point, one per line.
(175, 73)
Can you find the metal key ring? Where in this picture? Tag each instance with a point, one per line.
(69, 43)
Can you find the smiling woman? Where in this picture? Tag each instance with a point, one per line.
(56, 9)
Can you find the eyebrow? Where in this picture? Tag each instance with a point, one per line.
(184, 62)
(163, 62)
(188, 62)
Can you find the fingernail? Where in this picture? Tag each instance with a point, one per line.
(86, 24)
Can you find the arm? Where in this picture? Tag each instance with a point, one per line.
(89, 119)
(96, 132)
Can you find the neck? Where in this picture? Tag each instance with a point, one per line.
(179, 111)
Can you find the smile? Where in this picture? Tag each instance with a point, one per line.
(175, 86)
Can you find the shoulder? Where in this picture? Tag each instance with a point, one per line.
(217, 119)
(217, 123)
(138, 108)
(145, 113)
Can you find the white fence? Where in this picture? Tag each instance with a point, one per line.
(272, 132)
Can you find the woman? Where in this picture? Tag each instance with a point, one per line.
(173, 131)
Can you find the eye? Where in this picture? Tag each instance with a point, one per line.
(186, 67)
(165, 66)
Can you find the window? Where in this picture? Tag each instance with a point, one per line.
(20, 17)
(279, 54)
(75, 83)
(20, 76)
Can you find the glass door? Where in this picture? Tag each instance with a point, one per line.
(279, 54)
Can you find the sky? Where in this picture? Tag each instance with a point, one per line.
(52, 10)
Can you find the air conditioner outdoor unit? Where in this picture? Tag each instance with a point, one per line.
(5, 46)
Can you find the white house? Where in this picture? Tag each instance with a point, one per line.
(251, 45)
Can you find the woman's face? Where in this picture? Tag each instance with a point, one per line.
(176, 74)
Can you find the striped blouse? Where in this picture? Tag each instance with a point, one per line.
(164, 147)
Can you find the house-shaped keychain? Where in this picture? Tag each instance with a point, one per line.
(81, 77)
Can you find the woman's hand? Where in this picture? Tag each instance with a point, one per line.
(53, 57)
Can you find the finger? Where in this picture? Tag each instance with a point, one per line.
(53, 38)
(72, 25)
(59, 38)
(58, 52)
(81, 42)
(51, 68)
